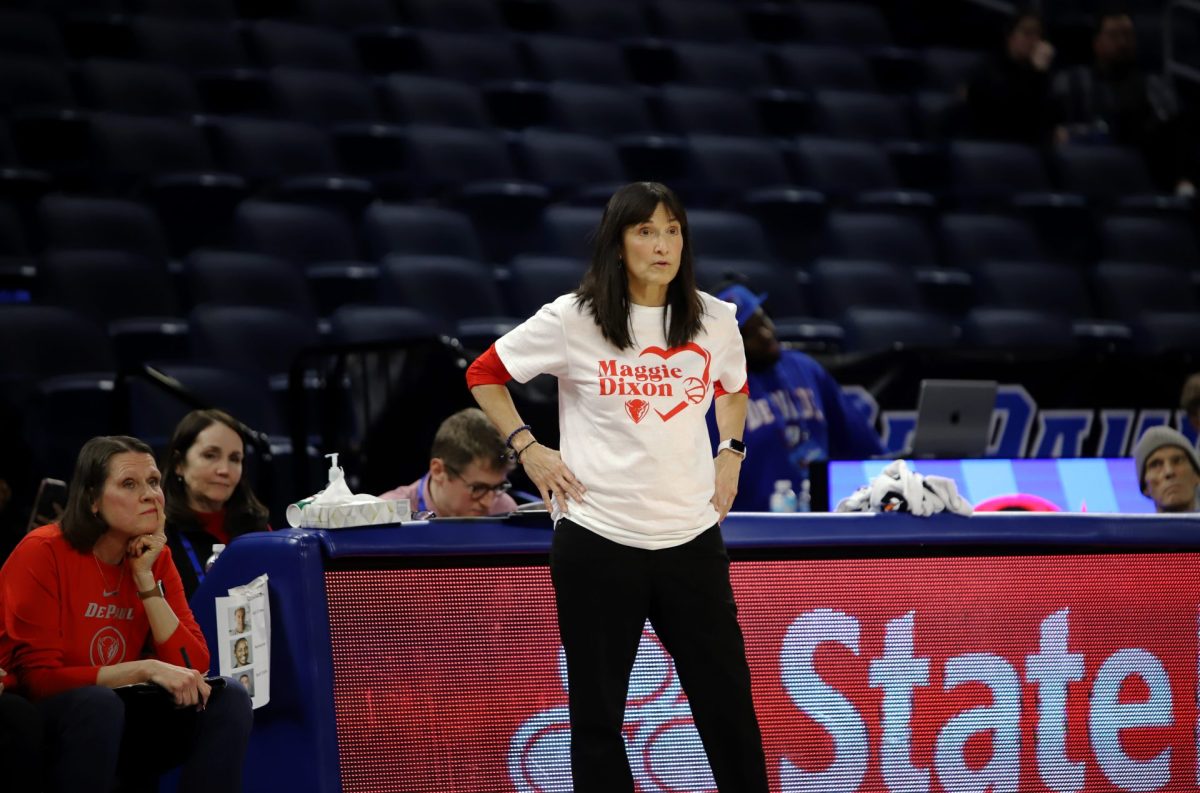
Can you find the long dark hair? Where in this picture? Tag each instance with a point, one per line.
(243, 511)
(81, 525)
(604, 291)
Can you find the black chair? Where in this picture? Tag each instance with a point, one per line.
(254, 340)
(534, 281)
(236, 278)
(970, 240)
(460, 290)
(607, 110)
(688, 109)
(415, 229)
(420, 99)
(466, 16)
(1019, 329)
(128, 295)
(736, 68)
(600, 19)
(87, 223)
(702, 20)
(577, 60)
(816, 67)
(324, 98)
(573, 166)
(566, 231)
(721, 234)
(471, 58)
(861, 115)
(1155, 299)
(877, 330)
(279, 43)
(31, 35)
(190, 44)
(139, 88)
(1158, 239)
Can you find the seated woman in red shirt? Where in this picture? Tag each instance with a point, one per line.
(208, 501)
(93, 603)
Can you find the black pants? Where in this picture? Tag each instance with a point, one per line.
(21, 738)
(605, 593)
(95, 737)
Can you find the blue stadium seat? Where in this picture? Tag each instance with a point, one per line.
(878, 236)
(279, 43)
(534, 281)
(1110, 175)
(566, 230)
(1158, 239)
(459, 290)
(217, 10)
(689, 109)
(720, 234)
(31, 35)
(726, 168)
(350, 14)
(33, 84)
(189, 44)
(816, 67)
(130, 296)
(296, 160)
(84, 223)
(236, 278)
(861, 115)
(577, 60)
(700, 20)
(467, 16)
(737, 68)
(948, 69)
(297, 233)
(415, 229)
(870, 329)
(573, 166)
(1020, 329)
(858, 170)
(598, 109)
(472, 58)
(600, 19)
(138, 88)
(970, 240)
(840, 284)
(256, 341)
(378, 324)
(1157, 300)
(419, 99)
(322, 97)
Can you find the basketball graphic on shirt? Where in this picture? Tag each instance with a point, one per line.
(695, 389)
(108, 647)
(636, 408)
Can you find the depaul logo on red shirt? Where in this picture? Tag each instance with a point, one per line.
(666, 388)
(108, 647)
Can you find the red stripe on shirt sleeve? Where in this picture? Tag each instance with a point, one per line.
(487, 369)
(719, 390)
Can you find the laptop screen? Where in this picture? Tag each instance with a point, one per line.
(1091, 484)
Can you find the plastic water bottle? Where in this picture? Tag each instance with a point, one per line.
(212, 559)
(784, 498)
(804, 499)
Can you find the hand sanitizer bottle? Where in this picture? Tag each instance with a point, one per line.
(784, 498)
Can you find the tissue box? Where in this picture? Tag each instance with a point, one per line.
(342, 516)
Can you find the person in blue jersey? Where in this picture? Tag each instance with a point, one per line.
(797, 413)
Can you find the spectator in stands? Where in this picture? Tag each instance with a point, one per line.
(1008, 97)
(21, 741)
(1114, 99)
(468, 471)
(1168, 470)
(208, 500)
(1189, 400)
(93, 603)
(637, 497)
(797, 414)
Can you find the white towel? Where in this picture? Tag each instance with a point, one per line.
(898, 489)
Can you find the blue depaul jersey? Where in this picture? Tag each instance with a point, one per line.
(797, 414)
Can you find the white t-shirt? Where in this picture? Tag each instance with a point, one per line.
(632, 421)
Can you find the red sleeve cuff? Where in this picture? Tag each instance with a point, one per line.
(719, 390)
(487, 369)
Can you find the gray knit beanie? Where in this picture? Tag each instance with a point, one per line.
(1154, 439)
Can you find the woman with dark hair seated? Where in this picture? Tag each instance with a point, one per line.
(208, 501)
(93, 603)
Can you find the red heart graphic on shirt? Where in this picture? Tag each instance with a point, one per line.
(636, 408)
(665, 354)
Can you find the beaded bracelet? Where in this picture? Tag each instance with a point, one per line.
(515, 433)
(517, 455)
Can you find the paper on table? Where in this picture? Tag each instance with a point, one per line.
(244, 645)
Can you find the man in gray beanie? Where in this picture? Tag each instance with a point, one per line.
(1168, 470)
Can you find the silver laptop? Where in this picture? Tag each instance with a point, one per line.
(954, 418)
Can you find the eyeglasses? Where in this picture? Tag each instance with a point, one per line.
(481, 489)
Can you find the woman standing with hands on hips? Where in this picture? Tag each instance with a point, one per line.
(93, 603)
(636, 494)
